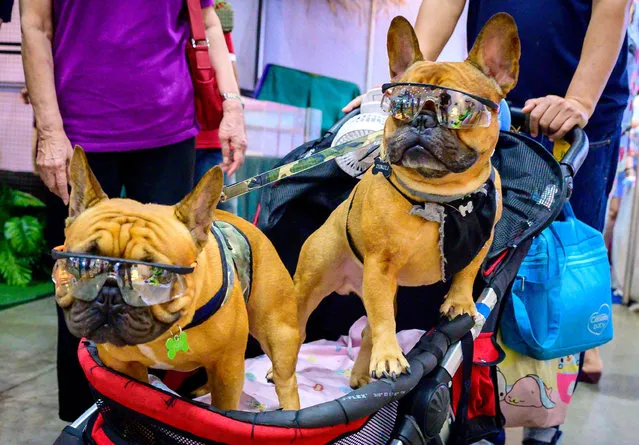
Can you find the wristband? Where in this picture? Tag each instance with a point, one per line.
(233, 96)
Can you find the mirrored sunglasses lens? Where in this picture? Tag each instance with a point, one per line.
(62, 278)
(140, 285)
(458, 111)
(150, 285)
(81, 278)
(403, 102)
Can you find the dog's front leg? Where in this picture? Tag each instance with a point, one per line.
(134, 370)
(459, 299)
(226, 379)
(379, 292)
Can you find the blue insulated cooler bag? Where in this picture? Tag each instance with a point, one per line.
(560, 302)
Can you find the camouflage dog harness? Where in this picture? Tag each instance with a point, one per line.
(237, 261)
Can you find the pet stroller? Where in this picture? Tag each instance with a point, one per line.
(451, 396)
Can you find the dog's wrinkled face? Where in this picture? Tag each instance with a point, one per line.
(122, 228)
(425, 146)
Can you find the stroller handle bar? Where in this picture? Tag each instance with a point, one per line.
(579, 146)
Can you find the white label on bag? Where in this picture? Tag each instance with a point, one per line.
(599, 320)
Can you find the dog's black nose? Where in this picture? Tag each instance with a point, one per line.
(426, 119)
(110, 295)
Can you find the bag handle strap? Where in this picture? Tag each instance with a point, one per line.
(196, 20)
(552, 241)
(523, 322)
(568, 211)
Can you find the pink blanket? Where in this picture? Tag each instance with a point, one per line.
(323, 371)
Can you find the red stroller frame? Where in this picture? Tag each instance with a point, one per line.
(444, 400)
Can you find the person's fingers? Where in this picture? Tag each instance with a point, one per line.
(61, 185)
(47, 176)
(535, 116)
(568, 125)
(238, 160)
(59, 168)
(53, 162)
(226, 152)
(55, 179)
(353, 104)
(529, 105)
(558, 121)
(69, 157)
(239, 143)
(549, 116)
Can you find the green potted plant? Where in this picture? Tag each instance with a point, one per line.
(22, 244)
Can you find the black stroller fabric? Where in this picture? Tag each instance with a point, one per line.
(533, 188)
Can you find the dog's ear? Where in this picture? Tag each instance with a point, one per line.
(85, 188)
(197, 209)
(403, 47)
(497, 50)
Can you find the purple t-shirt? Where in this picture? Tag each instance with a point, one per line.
(121, 74)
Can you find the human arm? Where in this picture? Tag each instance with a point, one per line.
(232, 129)
(229, 45)
(54, 149)
(435, 23)
(554, 116)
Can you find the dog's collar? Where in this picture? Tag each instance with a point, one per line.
(228, 281)
(384, 167)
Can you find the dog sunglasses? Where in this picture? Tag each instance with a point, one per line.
(455, 109)
(141, 283)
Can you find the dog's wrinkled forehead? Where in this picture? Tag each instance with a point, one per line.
(460, 76)
(122, 228)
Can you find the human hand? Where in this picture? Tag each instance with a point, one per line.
(555, 116)
(53, 159)
(232, 136)
(353, 104)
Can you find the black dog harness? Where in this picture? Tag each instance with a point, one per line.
(465, 223)
(235, 250)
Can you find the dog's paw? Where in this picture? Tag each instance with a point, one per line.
(359, 379)
(455, 305)
(269, 376)
(201, 391)
(388, 362)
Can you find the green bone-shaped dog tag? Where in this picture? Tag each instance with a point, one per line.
(175, 344)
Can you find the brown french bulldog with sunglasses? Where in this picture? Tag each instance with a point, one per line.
(156, 287)
(426, 210)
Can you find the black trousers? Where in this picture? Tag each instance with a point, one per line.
(161, 175)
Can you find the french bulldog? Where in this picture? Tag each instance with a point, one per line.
(426, 211)
(133, 338)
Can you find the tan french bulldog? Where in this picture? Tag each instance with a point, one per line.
(413, 219)
(133, 338)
